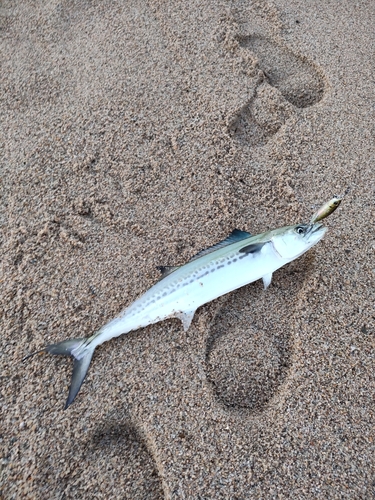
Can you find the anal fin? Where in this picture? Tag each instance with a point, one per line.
(186, 317)
(267, 278)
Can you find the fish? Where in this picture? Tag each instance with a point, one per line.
(238, 260)
(326, 209)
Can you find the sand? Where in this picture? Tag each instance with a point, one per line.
(134, 134)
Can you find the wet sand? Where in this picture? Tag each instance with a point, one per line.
(134, 134)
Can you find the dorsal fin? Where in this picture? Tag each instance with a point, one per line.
(166, 270)
(235, 235)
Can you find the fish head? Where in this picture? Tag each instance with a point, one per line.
(292, 241)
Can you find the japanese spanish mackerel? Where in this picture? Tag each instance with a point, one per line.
(234, 262)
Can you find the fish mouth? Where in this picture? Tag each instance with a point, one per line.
(315, 232)
(313, 228)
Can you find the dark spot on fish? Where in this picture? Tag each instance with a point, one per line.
(204, 274)
(219, 267)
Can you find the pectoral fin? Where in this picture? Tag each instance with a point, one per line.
(253, 248)
(267, 278)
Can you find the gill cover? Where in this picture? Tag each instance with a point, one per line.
(296, 240)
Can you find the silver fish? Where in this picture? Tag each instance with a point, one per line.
(234, 262)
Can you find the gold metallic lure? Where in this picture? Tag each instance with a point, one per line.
(326, 209)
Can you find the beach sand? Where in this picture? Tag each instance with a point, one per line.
(134, 134)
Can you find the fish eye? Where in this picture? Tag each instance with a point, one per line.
(300, 230)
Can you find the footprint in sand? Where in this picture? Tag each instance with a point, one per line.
(257, 369)
(286, 83)
(245, 360)
(116, 458)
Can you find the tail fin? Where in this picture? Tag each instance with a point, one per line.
(80, 365)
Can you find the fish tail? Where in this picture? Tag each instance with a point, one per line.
(81, 351)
